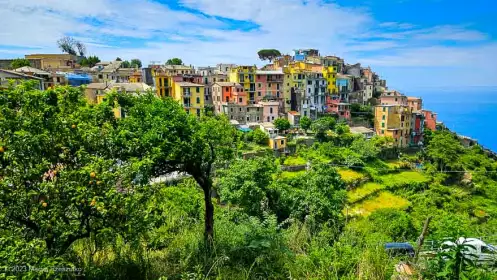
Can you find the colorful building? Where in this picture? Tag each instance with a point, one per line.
(430, 119)
(191, 96)
(338, 103)
(56, 62)
(394, 121)
(227, 92)
(329, 73)
(245, 76)
(270, 110)
(417, 125)
(415, 103)
(136, 77)
(315, 95)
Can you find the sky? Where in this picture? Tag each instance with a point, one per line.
(414, 44)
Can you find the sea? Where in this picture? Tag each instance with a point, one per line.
(470, 112)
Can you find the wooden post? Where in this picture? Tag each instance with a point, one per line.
(421, 238)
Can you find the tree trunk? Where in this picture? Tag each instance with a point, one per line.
(206, 185)
(209, 213)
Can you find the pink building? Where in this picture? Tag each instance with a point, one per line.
(338, 107)
(393, 100)
(269, 85)
(415, 103)
(270, 110)
(430, 120)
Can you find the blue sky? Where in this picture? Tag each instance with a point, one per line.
(414, 44)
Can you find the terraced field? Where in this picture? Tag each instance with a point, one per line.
(384, 200)
(363, 191)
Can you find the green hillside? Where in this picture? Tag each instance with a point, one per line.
(82, 190)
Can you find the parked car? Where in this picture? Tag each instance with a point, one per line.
(478, 251)
(399, 249)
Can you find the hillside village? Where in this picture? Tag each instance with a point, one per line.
(304, 84)
(315, 170)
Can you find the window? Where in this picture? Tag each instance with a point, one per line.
(278, 94)
(206, 98)
(382, 131)
(278, 86)
(198, 100)
(231, 117)
(198, 112)
(257, 118)
(282, 142)
(240, 109)
(259, 85)
(383, 117)
(288, 84)
(240, 100)
(231, 109)
(268, 119)
(486, 250)
(384, 109)
(395, 98)
(258, 76)
(258, 93)
(270, 110)
(382, 124)
(272, 118)
(248, 118)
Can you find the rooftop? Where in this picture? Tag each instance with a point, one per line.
(295, 113)
(269, 72)
(20, 74)
(188, 84)
(29, 69)
(225, 84)
(360, 129)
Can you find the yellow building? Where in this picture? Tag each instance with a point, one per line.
(163, 78)
(53, 61)
(136, 77)
(191, 96)
(278, 143)
(294, 83)
(330, 73)
(245, 76)
(394, 121)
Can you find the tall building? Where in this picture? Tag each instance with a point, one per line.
(245, 76)
(394, 121)
(191, 96)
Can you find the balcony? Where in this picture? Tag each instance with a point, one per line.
(186, 94)
(187, 105)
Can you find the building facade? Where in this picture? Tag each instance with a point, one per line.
(191, 96)
(394, 121)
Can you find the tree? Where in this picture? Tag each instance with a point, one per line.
(19, 62)
(174, 61)
(71, 185)
(118, 59)
(71, 46)
(305, 123)
(167, 140)
(444, 150)
(321, 126)
(247, 183)
(135, 63)
(268, 54)
(282, 124)
(367, 149)
(89, 61)
(259, 137)
(125, 64)
(81, 48)
(316, 197)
